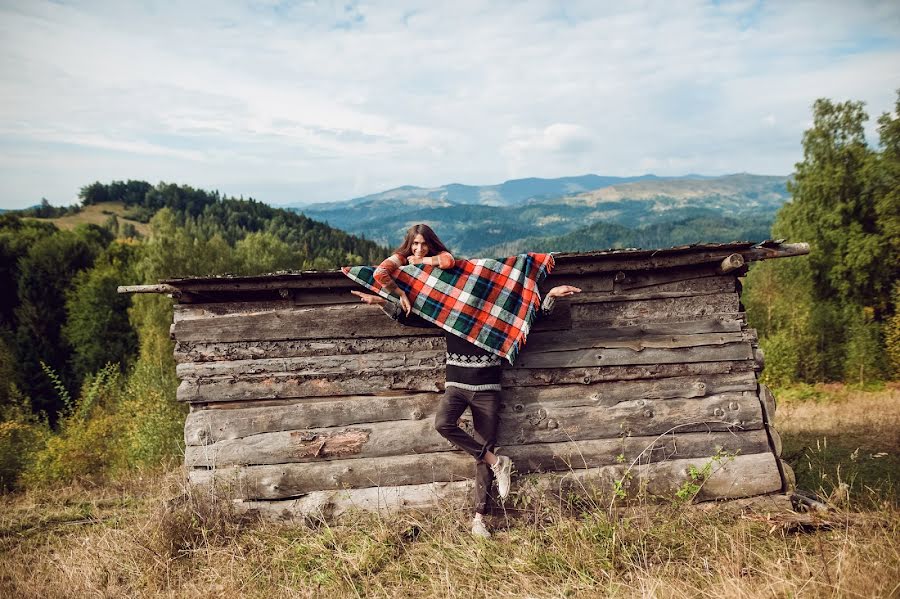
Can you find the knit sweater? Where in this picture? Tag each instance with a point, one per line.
(384, 273)
(468, 366)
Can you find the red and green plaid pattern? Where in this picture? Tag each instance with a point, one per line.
(490, 303)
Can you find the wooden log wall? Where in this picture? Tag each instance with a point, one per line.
(316, 401)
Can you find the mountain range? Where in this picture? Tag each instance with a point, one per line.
(568, 213)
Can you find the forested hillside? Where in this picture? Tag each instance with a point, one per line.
(653, 208)
(77, 356)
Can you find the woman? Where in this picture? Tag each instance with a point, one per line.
(473, 374)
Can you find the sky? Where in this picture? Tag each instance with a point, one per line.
(299, 102)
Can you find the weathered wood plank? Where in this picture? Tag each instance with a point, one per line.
(570, 264)
(316, 364)
(743, 476)
(308, 385)
(244, 350)
(300, 298)
(243, 419)
(264, 387)
(186, 352)
(524, 377)
(677, 309)
(768, 402)
(600, 356)
(571, 351)
(684, 288)
(278, 481)
(322, 322)
(542, 424)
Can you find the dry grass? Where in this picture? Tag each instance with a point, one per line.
(146, 536)
(97, 214)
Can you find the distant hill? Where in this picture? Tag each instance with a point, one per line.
(708, 228)
(472, 219)
(132, 204)
(509, 193)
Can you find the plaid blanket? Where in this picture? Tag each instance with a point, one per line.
(490, 303)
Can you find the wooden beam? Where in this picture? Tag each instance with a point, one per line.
(742, 476)
(544, 424)
(242, 419)
(278, 481)
(297, 385)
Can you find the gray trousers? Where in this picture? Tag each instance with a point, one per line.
(485, 407)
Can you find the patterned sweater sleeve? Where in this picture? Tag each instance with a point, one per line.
(384, 272)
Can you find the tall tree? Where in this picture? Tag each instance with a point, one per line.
(843, 287)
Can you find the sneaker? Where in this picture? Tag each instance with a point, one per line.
(502, 472)
(480, 530)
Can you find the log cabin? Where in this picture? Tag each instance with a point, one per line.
(304, 400)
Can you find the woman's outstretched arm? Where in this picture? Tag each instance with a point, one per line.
(393, 311)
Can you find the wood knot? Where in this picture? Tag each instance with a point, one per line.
(596, 396)
(733, 405)
(417, 414)
(719, 412)
(648, 413)
(518, 407)
(587, 379)
(552, 424)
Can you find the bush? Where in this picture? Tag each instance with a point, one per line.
(85, 446)
(22, 436)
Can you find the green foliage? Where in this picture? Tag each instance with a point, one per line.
(22, 436)
(85, 445)
(97, 326)
(153, 419)
(45, 272)
(822, 318)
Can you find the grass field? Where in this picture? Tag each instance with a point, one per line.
(143, 536)
(97, 214)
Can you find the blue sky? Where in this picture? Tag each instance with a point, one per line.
(310, 101)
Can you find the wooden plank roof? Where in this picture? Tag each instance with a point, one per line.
(569, 263)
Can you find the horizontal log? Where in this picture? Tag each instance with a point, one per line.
(677, 309)
(278, 481)
(298, 299)
(228, 388)
(384, 362)
(641, 279)
(684, 288)
(187, 351)
(569, 264)
(541, 424)
(269, 387)
(623, 356)
(243, 419)
(711, 347)
(190, 351)
(322, 322)
(742, 476)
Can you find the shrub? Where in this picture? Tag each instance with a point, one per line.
(22, 436)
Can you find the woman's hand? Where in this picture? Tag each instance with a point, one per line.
(404, 302)
(368, 298)
(563, 291)
(414, 260)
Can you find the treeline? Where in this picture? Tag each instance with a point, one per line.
(832, 316)
(87, 382)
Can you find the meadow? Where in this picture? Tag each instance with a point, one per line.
(146, 535)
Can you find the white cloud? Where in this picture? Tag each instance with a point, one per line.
(316, 100)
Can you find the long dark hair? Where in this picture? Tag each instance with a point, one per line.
(435, 245)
